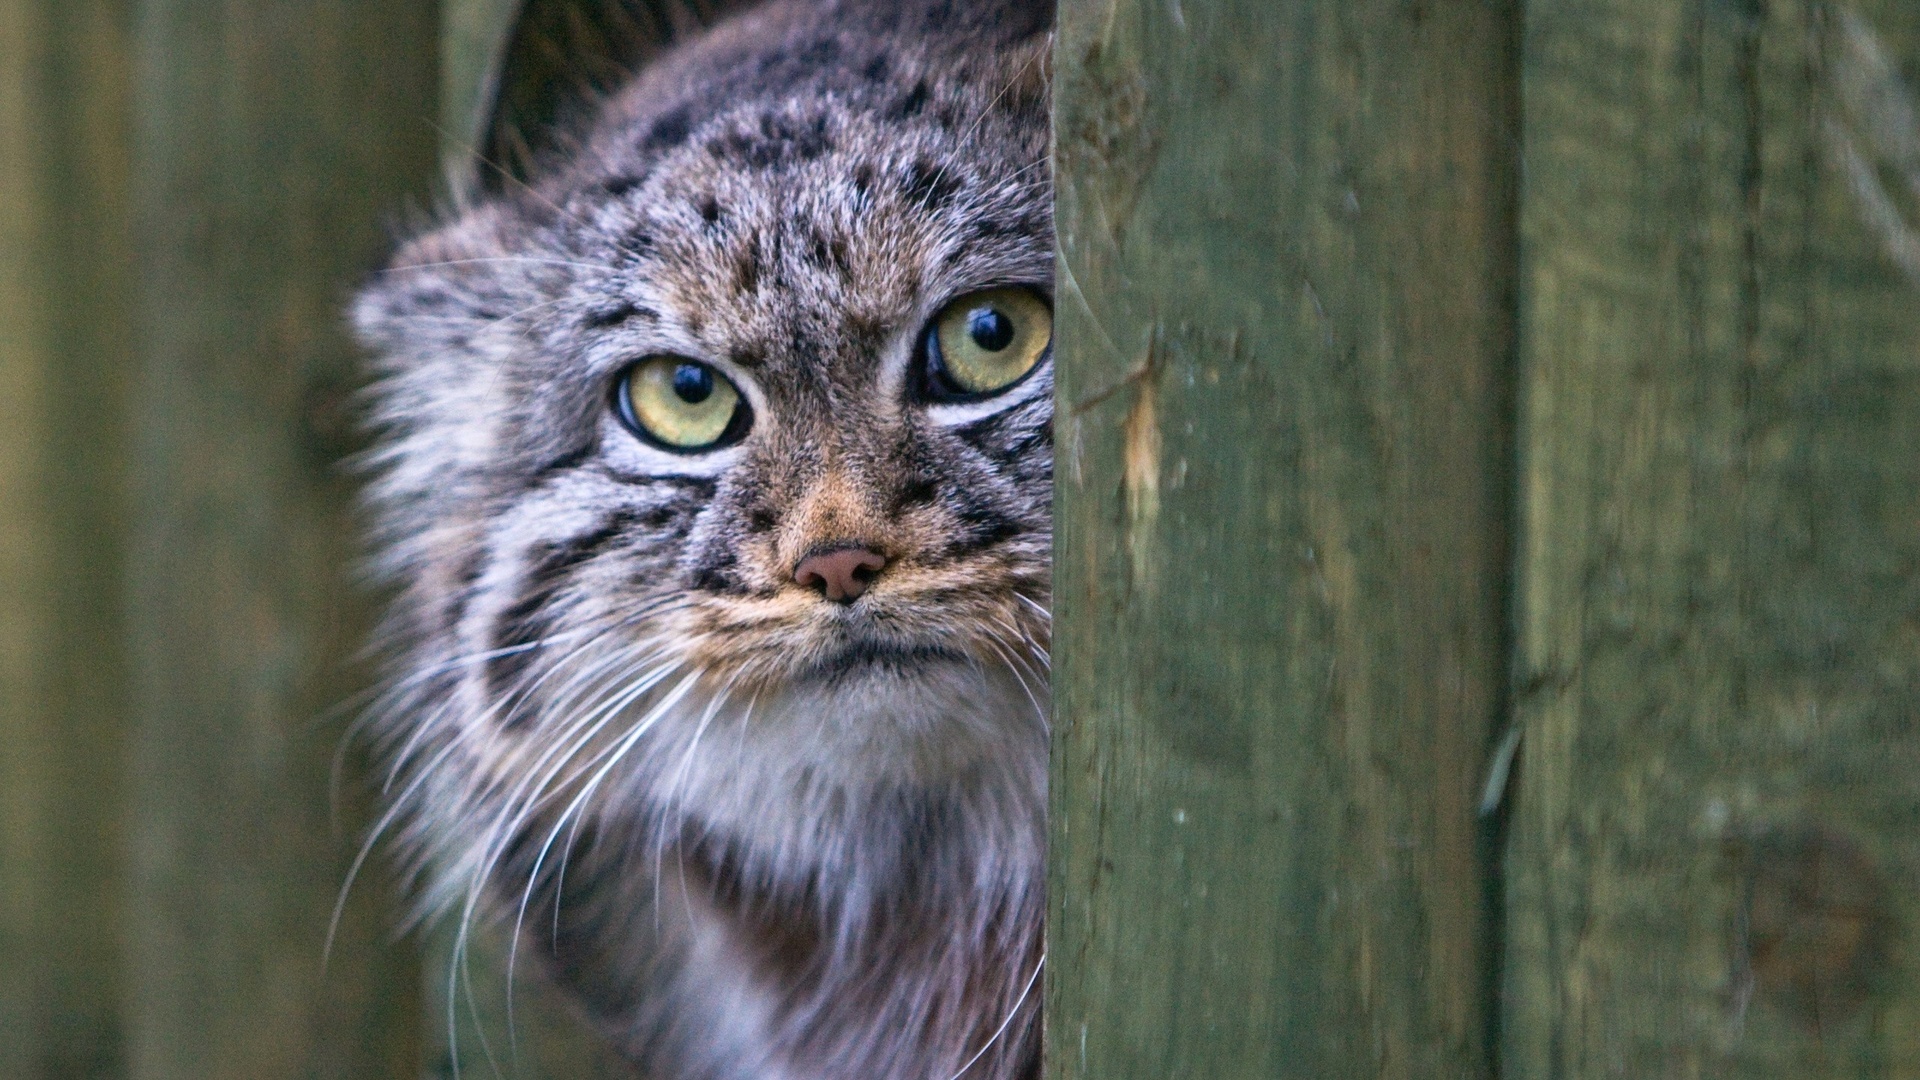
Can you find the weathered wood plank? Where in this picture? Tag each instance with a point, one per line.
(473, 39)
(272, 138)
(1715, 852)
(1283, 323)
(65, 308)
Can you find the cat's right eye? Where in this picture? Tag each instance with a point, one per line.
(680, 404)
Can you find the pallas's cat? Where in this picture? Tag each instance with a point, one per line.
(714, 480)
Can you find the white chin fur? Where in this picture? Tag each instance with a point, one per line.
(774, 770)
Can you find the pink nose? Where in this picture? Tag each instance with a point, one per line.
(841, 574)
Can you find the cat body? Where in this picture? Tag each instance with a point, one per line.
(742, 726)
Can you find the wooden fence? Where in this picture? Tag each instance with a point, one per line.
(1488, 570)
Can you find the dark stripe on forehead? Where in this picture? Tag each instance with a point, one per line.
(776, 142)
(639, 243)
(910, 104)
(828, 252)
(927, 185)
(746, 266)
(669, 131)
(617, 313)
(622, 183)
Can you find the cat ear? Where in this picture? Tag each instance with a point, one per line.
(1000, 22)
(558, 62)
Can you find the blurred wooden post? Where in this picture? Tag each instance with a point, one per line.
(1717, 836)
(1283, 314)
(473, 37)
(66, 303)
(271, 140)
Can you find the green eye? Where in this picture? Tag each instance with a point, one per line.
(985, 342)
(680, 404)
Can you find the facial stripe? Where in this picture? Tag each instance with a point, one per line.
(521, 626)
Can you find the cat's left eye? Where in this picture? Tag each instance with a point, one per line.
(680, 404)
(985, 342)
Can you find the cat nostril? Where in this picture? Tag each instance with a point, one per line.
(841, 574)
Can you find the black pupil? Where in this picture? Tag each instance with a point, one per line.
(693, 382)
(989, 329)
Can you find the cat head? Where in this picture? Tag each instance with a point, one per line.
(744, 400)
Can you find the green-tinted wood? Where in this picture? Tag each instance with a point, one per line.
(473, 40)
(1716, 845)
(1282, 342)
(272, 139)
(65, 306)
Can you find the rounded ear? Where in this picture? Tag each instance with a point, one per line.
(558, 62)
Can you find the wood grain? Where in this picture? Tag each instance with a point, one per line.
(1714, 854)
(65, 329)
(473, 40)
(271, 139)
(1283, 317)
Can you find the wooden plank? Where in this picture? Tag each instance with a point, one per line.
(1714, 853)
(64, 332)
(272, 139)
(1283, 322)
(473, 42)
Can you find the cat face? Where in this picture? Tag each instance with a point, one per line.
(806, 293)
(649, 426)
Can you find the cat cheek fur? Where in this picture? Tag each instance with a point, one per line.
(761, 833)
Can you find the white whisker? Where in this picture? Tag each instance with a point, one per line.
(1011, 1013)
